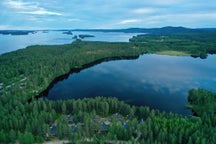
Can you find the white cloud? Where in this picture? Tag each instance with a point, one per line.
(187, 17)
(74, 20)
(111, 14)
(165, 2)
(41, 12)
(20, 5)
(4, 27)
(144, 11)
(211, 15)
(32, 8)
(127, 21)
(180, 19)
(12, 27)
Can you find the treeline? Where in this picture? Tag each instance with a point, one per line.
(16, 32)
(27, 72)
(197, 45)
(33, 122)
(203, 103)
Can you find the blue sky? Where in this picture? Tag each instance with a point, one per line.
(106, 14)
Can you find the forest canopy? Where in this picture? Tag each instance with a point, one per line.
(26, 73)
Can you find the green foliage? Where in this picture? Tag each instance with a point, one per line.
(197, 45)
(27, 72)
(26, 138)
(139, 124)
(82, 36)
(203, 103)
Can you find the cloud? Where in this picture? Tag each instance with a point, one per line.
(73, 20)
(110, 14)
(4, 27)
(165, 2)
(186, 17)
(31, 8)
(143, 10)
(179, 19)
(41, 12)
(12, 27)
(20, 5)
(127, 21)
(211, 15)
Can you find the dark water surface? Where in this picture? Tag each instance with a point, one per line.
(158, 81)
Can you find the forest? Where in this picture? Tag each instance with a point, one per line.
(105, 120)
(16, 32)
(195, 45)
(26, 73)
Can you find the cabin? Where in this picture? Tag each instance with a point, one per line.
(8, 87)
(69, 118)
(22, 85)
(73, 128)
(1, 87)
(53, 130)
(24, 79)
(118, 116)
(124, 125)
(105, 126)
(141, 121)
(97, 118)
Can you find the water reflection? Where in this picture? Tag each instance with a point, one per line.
(160, 82)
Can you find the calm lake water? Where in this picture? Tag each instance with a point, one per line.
(158, 81)
(13, 42)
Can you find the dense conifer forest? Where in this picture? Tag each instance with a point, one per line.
(26, 73)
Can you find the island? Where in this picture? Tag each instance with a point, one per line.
(68, 32)
(26, 73)
(16, 32)
(75, 37)
(82, 36)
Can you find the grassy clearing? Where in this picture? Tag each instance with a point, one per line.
(173, 53)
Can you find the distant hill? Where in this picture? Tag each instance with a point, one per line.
(163, 30)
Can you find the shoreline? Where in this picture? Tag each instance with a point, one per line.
(77, 70)
(30, 71)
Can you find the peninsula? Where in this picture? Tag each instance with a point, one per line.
(26, 73)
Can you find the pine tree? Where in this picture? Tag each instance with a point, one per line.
(64, 108)
(26, 138)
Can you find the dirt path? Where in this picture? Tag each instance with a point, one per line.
(57, 142)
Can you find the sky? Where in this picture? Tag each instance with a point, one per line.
(106, 14)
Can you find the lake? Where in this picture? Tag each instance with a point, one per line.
(13, 42)
(159, 81)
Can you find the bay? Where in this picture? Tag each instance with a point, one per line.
(159, 81)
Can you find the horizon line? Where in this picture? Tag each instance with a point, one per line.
(74, 29)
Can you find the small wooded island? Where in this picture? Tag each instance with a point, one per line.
(17, 32)
(26, 73)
